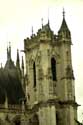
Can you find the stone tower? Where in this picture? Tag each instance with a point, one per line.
(50, 81)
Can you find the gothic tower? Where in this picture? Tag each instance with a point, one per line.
(50, 81)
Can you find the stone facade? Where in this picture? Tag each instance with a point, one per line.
(50, 74)
(49, 81)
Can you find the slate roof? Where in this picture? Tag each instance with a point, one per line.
(64, 27)
(10, 84)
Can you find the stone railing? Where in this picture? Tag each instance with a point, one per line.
(10, 107)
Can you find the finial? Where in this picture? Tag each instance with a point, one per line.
(18, 60)
(22, 67)
(17, 51)
(9, 44)
(7, 49)
(10, 49)
(17, 55)
(63, 13)
(22, 63)
(42, 21)
(48, 16)
(9, 52)
(32, 30)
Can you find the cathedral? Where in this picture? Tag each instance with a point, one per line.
(43, 93)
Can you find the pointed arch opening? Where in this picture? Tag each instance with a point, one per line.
(53, 68)
(34, 75)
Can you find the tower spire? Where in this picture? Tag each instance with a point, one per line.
(42, 22)
(63, 13)
(48, 16)
(22, 67)
(22, 63)
(32, 31)
(9, 52)
(64, 28)
(18, 59)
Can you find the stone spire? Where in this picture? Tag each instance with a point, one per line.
(63, 13)
(9, 52)
(22, 75)
(22, 63)
(9, 63)
(42, 22)
(64, 24)
(64, 30)
(18, 60)
(32, 31)
(48, 17)
(22, 67)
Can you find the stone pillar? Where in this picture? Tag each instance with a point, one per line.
(41, 116)
(6, 102)
(50, 115)
(47, 115)
(72, 119)
(53, 115)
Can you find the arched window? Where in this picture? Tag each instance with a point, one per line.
(34, 74)
(53, 68)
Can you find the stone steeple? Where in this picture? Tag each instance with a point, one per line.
(18, 60)
(22, 63)
(18, 64)
(64, 30)
(9, 62)
(9, 52)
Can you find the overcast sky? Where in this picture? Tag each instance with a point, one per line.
(18, 16)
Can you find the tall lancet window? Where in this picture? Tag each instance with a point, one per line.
(34, 74)
(53, 68)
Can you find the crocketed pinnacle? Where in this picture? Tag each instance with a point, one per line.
(64, 28)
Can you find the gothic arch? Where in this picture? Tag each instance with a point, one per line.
(32, 67)
(55, 55)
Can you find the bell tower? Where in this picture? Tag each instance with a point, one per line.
(66, 89)
(50, 79)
